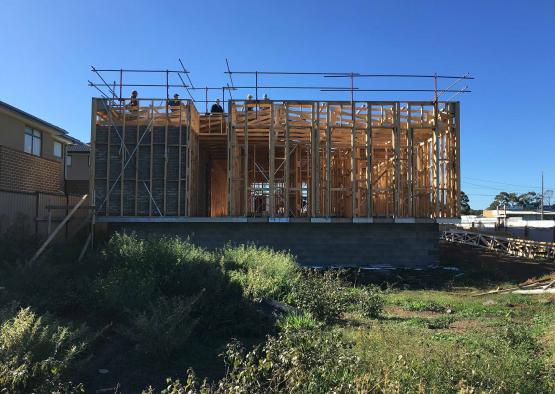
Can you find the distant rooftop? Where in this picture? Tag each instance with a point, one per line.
(79, 148)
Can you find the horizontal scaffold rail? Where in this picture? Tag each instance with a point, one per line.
(511, 246)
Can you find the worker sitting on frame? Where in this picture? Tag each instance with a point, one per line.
(133, 105)
(217, 108)
(249, 98)
(175, 103)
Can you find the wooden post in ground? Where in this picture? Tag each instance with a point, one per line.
(57, 230)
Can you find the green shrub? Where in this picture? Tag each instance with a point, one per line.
(36, 352)
(16, 243)
(367, 301)
(322, 294)
(296, 321)
(303, 361)
(440, 322)
(190, 386)
(261, 272)
(164, 327)
(423, 305)
(143, 270)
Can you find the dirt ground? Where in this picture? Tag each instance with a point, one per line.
(509, 268)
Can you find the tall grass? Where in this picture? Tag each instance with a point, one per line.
(261, 272)
(36, 352)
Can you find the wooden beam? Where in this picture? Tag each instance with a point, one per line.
(92, 157)
(328, 163)
(272, 164)
(287, 166)
(410, 155)
(246, 166)
(397, 159)
(437, 158)
(123, 151)
(353, 163)
(369, 160)
(57, 230)
(458, 158)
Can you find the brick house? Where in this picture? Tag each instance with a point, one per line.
(77, 168)
(32, 152)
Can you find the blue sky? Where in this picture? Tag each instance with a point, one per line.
(508, 121)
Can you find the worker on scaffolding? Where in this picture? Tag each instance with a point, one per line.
(217, 108)
(266, 105)
(133, 105)
(249, 98)
(175, 103)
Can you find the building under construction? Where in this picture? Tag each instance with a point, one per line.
(336, 182)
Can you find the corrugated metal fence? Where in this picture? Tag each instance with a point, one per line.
(35, 213)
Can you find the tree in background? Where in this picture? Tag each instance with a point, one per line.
(465, 203)
(547, 196)
(510, 200)
(504, 199)
(465, 206)
(530, 200)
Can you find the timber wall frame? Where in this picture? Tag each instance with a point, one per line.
(143, 158)
(298, 160)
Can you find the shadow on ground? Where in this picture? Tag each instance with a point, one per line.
(460, 266)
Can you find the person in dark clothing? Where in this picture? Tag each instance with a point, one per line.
(133, 102)
(175, 103)
(249, 98)
(216, 107)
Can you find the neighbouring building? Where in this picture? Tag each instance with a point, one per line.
(34, 193)
(31, 152)
(517, 222)
(522, 214)
(77, 168)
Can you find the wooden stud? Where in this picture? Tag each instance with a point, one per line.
(246, 165)
(328, 163)
(92, 157)
(122, 179)
(287, 165)
(457, 201)
(354, 179)
(397, 158)
(150, 186)
(369, 160)
(179, 149)
(272, 163)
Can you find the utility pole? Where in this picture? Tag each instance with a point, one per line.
(542, 199)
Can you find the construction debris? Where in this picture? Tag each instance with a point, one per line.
(511, 246)
(543, 286)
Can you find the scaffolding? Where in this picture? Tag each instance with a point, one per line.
(276, 160)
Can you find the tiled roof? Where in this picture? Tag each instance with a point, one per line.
(79, 148)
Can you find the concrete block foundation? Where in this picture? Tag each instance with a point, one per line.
(396, 245)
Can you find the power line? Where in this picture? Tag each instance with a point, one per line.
(499, 188)
(499, 182)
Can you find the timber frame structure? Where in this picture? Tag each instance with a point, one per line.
(293, 160)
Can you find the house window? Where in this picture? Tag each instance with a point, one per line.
(33, 140)
(57, 149)
(68, 161)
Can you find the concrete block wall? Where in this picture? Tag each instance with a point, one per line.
(23, 172)
(409, 245)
